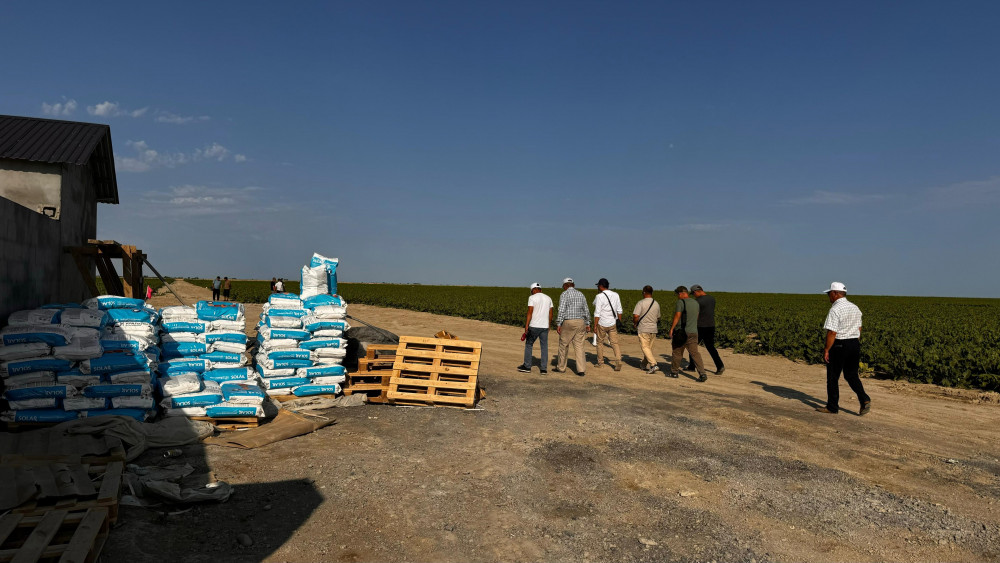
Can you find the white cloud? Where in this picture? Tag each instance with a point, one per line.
(822, 197)
(66, 107)
(213, 151)
(112, 109)
(146, 158)
(975, 192)
(167, 117)
(189, 200)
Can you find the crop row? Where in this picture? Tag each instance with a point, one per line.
(951, 342)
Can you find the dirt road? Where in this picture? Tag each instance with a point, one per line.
(612, 466)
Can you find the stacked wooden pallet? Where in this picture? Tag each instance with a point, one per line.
(374, 372)
(434, 371)
(58, 534)
(68, 486)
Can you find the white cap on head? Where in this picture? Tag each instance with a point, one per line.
(534, 285)
(837, 286)
(568, 280)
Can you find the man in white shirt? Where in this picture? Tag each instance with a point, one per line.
(843, 350)
(279, 286)
(536, 327)
(607, 314)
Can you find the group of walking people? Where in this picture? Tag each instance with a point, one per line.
(693, 321)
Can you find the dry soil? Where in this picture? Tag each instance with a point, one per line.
(613, 466)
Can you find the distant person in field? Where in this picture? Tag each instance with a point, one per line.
(226, 286)
(646, 317)
(684, 331)
(216, 285)
(842, 352)
(607, 315)
(706, 325)
(274, 282)
(536, 327)
(572, 324)
(279, 286)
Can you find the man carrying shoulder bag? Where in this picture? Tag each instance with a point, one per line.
(685, 336)
(607, 316)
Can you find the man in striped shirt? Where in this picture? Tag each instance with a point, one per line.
(843, 350)
(572, 324)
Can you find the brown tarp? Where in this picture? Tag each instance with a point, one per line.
(286, 425)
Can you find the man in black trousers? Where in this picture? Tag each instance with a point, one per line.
(843, 350)
(706, 325)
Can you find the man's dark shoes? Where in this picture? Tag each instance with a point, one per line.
(865, 408)
(825, 410)
(523, 369)
(545, 372)
(720, 370)
(703, 378)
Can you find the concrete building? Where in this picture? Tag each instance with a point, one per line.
(52, 176)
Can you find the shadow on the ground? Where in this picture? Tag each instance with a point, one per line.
(788, 393)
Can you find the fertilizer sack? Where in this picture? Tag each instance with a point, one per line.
(86, 344)
(53, 335)
(107, 302)
(181, 365)
(30, 350)
(18, 367)
(220, 310)
(209, 395)
(314, 281)
(30, 317)
(283, 301)
(331, 266)
(38, 415)
(86, 318)
(197, 327)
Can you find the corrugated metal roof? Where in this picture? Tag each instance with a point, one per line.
(63, 142)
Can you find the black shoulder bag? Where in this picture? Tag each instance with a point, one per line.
(680, 334)
(618, 323)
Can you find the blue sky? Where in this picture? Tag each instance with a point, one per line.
(745, 146)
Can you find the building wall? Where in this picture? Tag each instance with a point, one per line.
(34, 270)
(35, 185)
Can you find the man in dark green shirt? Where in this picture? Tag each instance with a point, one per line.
(686, 335)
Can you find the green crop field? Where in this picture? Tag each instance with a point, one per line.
(948, 341)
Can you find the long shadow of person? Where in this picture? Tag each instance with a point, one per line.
(787, 393)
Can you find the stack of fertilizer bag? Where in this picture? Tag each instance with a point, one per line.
(300, 336)
(205, 369)
(67, 361)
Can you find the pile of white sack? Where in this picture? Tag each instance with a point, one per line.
(66, 361)
(301, 348)
(206, 368)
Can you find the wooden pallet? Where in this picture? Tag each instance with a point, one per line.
(374, 373)
(69, 536)
(230, 423)
(434, 371)
(70, 487)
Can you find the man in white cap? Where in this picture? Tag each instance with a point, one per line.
(572, 324)
(843, 350)
(536, 327)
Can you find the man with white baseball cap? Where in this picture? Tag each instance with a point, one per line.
(536, 327)
(843, 350)
(572, 324)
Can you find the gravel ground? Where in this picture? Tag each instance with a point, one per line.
(612, 466)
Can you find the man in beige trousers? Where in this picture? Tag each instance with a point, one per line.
(646, 317)
(572, 324)
(607, 314)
